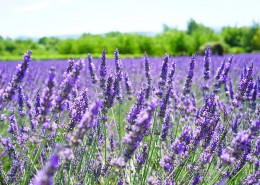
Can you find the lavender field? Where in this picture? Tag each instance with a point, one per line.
(158, 121)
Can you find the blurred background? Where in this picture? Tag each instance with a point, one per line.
(56, 29)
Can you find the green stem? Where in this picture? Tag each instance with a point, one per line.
(150, 153)
(120, 127)
(28, 168)
(222, 137)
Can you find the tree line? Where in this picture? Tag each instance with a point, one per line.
(175, 42)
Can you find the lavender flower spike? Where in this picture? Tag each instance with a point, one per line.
(133, 138)
(148, 76)
(118, 64)
(187, 86)
(163, 75)
(66, 87)
(47, 93)
(224, 75)
(88, 120)
(207, 61)
(103, 70)
(45, 176)
(171, 74)
(92, 69)
(17, 77)
(128, 86)
(220, 69)
(70, 66)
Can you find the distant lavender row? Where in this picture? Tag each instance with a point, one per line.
(38, 71)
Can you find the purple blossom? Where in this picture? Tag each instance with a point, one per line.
(48, 91)
(226, 158)
(163, 75)
(128, 86)
(167, 163)
(148, 76)
(21, 69)
(103, 70)
(224, 75)
(142, 157)
(165, 102)
(187, 86)
(133, 138)
(220, 70)
(92, 69)
(207, 60)
(165, 126)
(136, 108)
(196, 179)
(88, 121)
(171, 74)
(46, 175)
(66, 87)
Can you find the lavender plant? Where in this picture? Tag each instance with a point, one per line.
(59, 127)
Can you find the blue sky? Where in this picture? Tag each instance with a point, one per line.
(37, 18)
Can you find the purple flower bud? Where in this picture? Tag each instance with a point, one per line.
(17, 77)
(196, 179)
(103, 70)
(142, 157)
(118, 64)
(257, 146)
(171, 74)
(148, 76)
(136, 108)
(226, 158)
(167, 163)
(46, 175)
(48, 91)
(163, 75)
(71, 63)
(187, 86)
(117, 88)
(66, 87)
(220, 69)
(88, 120)
(224, 75)
(207, 60)
(128, 86)
(92, 69)
(133, 138)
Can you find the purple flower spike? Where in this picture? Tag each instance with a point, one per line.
(187, 86)
(92, 69)
(88, 120)
(133, 138)
(103, 70)
(21, 69)
(148, 77)
(207, 60)
(163, 75)
(46, 175)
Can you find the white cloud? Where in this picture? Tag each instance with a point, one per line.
(33, 7)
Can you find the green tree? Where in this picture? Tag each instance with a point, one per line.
(65, 46)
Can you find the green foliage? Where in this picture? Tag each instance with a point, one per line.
(217, 48)
(49, 43)
(242, 37)
(171, 40)
(201, 34)
(256, 40)
(175, 42)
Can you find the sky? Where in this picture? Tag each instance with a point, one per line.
(38, 18)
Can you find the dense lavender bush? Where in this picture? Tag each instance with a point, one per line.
(181, 120)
